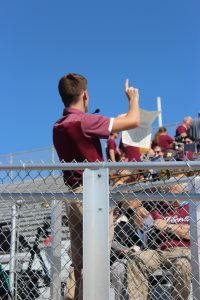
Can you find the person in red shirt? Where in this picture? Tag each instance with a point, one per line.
(162, 139)
(112, 152)
(76, 136)
(169, 221)
(171, 250)
(182, 130)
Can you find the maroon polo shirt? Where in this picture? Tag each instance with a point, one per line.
(181, 129)
(171, 216)
(132, 153)
(111, 144)
(76, 136)
(165, 141)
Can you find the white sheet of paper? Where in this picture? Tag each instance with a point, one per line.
(141, 136)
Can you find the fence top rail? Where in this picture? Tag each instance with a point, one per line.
(21, 198)
(193, 165)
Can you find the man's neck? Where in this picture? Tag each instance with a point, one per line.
(79, 107)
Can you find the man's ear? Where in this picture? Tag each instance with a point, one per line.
(85, 95)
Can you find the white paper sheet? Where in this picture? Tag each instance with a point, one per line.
(141, 136)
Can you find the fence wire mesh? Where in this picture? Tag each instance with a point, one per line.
(154, 221)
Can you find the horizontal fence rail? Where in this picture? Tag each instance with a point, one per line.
(192, 165)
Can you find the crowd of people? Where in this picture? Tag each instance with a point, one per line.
(185, 145)
(150, 237)
(134, 256)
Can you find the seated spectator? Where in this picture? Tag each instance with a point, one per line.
(112, 152)
(162, 139)
(188, 150)
(128, 238)
(158, 156)
(171, 250)
(188, 140)
(183, 130)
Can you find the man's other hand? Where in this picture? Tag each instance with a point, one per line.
(131, 92)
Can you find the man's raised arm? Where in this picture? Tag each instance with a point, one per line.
(181, 230)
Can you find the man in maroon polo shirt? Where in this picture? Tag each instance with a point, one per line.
(112, 152)
(182, 130)
(76, 136)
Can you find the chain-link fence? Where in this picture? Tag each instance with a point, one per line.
(31, 156)
(54, 231)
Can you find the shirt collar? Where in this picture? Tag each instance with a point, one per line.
(70, 110)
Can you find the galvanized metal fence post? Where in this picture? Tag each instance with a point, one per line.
(11, 157)
(96, 254)
(195, 240)
(12, 266)
(159, 108)
(56, 232)
(52, 155)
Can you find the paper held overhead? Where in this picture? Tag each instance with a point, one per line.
(141, 136)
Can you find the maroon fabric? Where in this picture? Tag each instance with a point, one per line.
(76, 137)
(131, 152)
(181, 129)
(189, 155)
(165, 141)
(178, 216)
(111, 144)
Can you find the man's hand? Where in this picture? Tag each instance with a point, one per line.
(131, 92)
(135, 248)
(130, 120)
(181, 230)
(124, 251)
(160, 224)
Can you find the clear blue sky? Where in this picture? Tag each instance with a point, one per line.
(156, 44)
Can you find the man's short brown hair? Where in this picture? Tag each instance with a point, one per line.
(70, 87)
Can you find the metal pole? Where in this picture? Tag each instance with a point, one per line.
(96, 254)
(159, 108)
(195, 241)
(13, 249)
(56, 232)
(11, 162)
(185, 165)
(39, 197)
(53, 155)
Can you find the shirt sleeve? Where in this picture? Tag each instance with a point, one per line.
(156, 215)
(96, 126)
(111, 144)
